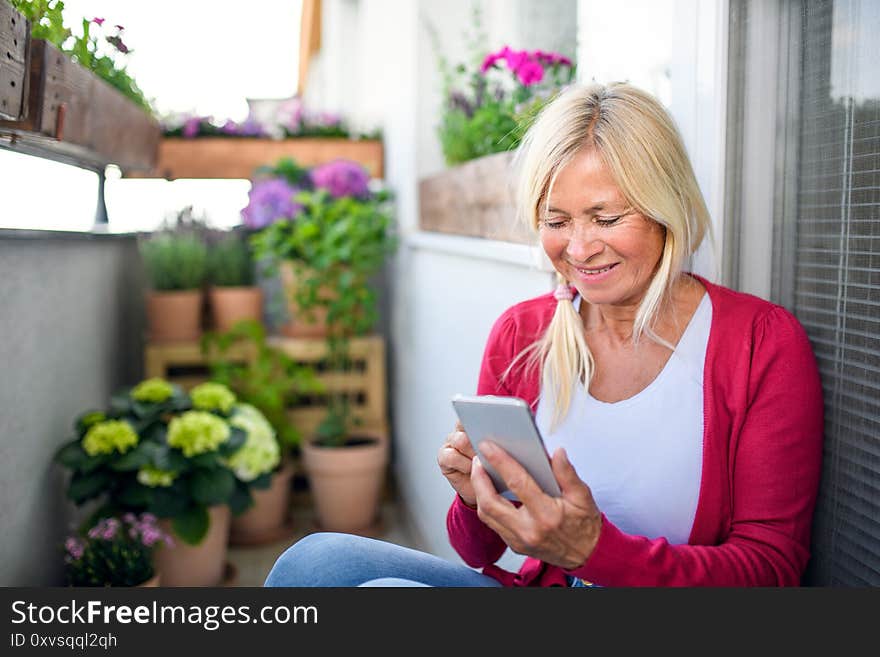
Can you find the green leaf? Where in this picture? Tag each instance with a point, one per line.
(237, 438)
(84, 486)
(135, 495)
(241, 499)
(169, 502)
(120, 403)
(134, 459)
(167, 458)
(213, 486)
(72, 455)
(262, 482)
(208, 460)
(192, 524)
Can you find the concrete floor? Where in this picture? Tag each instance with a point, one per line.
(252, 563)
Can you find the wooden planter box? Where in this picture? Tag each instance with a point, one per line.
(75, 116)
(473, 199)
(239, 157)
(14, 41)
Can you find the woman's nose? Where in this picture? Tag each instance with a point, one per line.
(583, 245)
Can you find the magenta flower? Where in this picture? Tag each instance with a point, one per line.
(98, 21)
(530, 72)
(342, 178)
(268, 201)
(119, 27)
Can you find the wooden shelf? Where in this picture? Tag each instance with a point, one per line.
(184, 364)
(74, 116)
(239, 157)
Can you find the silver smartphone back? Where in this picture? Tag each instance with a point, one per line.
(508, 422)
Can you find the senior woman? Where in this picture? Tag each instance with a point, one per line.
(684, 419)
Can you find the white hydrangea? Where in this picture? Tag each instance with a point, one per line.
(260, 453)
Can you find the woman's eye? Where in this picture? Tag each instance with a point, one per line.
(607, 221)
(554, 223)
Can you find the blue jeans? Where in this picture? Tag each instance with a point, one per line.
(328, 559)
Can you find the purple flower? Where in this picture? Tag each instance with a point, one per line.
(268, 201)
(118, 44)
(251, 128)
(342, 178)
(119, 27)
(98, 21)
(230, 127)
(191, 127)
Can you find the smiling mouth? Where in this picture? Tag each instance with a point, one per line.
(594, 271)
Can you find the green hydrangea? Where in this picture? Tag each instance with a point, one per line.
(153, 477)
(154, 390)
(92, 418)
(108, 437)
(212, 397)
(197, 432)
(260, 452)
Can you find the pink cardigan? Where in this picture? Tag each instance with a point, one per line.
(762, 453)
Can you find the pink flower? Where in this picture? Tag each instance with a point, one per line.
(530, 72)
(342, 178)
(119, 27)
(74, 547)
(98, 21)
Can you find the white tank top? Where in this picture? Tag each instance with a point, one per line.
(642, 457)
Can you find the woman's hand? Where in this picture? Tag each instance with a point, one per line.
(562, 530)
(455, 459)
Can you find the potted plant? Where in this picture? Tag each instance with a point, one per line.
(115, 551)
(335, 242)
(233, 295)
(163, 451)
(175, 265)
(269, 381)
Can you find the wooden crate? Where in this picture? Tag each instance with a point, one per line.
(184, 364)
(239, 157)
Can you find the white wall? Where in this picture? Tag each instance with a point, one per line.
(676, 50)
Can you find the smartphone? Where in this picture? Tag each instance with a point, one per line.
(508, 422)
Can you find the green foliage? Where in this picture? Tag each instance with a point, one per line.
(175, 261)
(168, 473)
(230, 262)
(47, 23)
(268, 379)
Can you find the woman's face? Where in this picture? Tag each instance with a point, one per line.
(594, 239)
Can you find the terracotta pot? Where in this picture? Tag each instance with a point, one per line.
(174, 316)
(268, 519)
(234, 304)
(153, 582)
(196, 565)
(346, 483)
(297, 325)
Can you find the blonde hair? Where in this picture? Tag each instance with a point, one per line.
(637, 140)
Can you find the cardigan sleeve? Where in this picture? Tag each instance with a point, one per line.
(775, 463)
(472, 539)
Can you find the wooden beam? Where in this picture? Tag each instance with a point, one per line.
(309, 40)
(74, 115)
